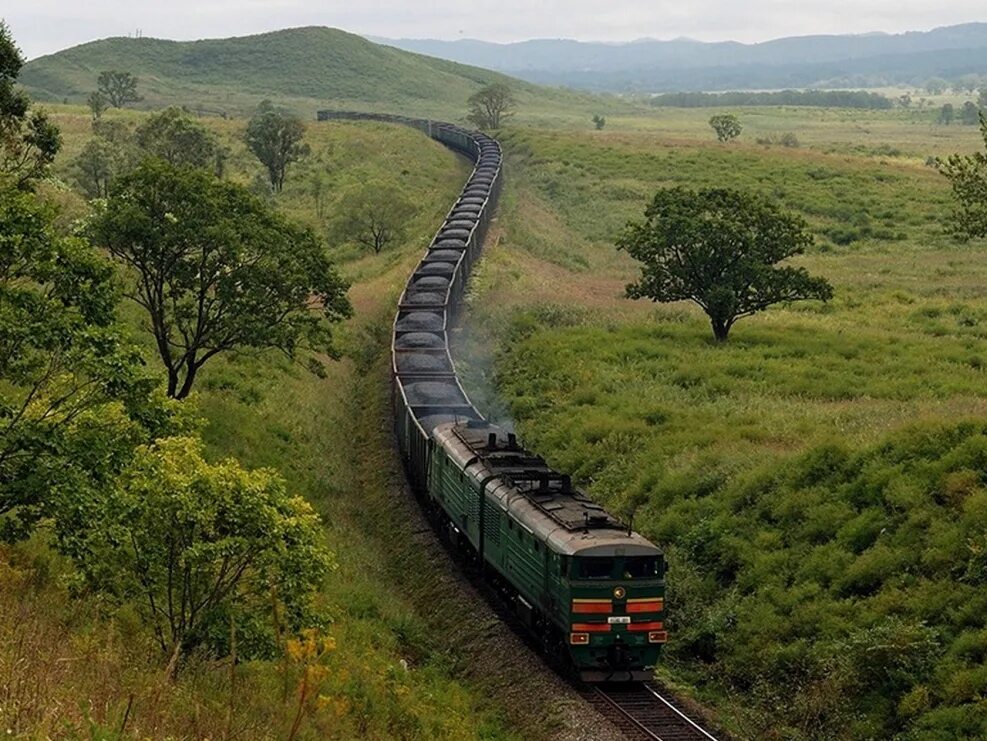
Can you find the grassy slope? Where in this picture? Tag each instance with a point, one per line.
(67, 662)
(306, 68)
(776, 580)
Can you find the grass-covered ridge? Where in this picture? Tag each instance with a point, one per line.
(306, 68)
(72, 666)
(818, 494)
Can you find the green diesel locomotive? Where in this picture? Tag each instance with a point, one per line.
(591, 589)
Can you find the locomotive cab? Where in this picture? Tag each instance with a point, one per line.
(616, 611)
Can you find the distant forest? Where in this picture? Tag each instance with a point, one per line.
(820, 98)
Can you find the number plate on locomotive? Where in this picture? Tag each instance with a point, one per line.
(619, 620)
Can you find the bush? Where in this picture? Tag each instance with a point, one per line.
(199, 547)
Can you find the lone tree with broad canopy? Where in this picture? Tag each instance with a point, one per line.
(491, 105)
(118, 88)
(719, 248)
(727, 126)
(275, 138)
(967, 175)
(216, 269)
(373, 215)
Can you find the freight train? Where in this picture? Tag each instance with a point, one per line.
(586, 585)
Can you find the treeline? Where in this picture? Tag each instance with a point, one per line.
(97, 449)
(819, 98)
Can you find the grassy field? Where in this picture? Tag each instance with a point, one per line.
(821, 502)
(70, 667)
(818, 493)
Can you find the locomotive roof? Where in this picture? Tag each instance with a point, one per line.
(538, 496)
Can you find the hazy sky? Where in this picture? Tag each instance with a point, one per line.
(44, 26)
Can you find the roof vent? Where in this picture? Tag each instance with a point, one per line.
(492, 441)
(512, 441)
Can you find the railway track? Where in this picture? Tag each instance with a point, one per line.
(641, 711)
(428, 392)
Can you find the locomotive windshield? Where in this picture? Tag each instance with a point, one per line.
(630, 567)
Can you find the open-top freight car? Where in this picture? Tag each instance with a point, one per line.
(590, 588)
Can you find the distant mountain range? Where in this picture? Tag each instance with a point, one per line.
(648, 65)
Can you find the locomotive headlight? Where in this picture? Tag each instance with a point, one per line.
(619, 593)
(579, 639)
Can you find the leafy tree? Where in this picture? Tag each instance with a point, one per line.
(491, 105)
(119, 88)
(318, 189)
(275, 138)
(726, 125)
(110, 154)
(970, 115)
(195, 544)
(982, 98)
(28, 140)
(967, 175)
(374, 214)
(95, 167)
(74, 399)
(946, 114)
(718, 249)
(179, 140)
(905, 101)
(599, 122)
(97, 104)
(216, 269)
(936, 86)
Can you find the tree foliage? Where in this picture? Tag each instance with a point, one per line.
(726, 125)
(28, 140)
(216, 269)
(197, 546)
(599, 122)
(946, 114)
(74, 398)
(967, 175)
(970, 114)
(118, 88)
(275, 138)
(175, 137)
(490, 106)
(373, 214)
(719, 249)
(98, 104)
(110, 154)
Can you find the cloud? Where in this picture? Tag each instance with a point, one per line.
(45, 26)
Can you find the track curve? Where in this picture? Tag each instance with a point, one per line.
(427, 391)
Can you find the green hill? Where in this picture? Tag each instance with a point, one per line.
(305, 68)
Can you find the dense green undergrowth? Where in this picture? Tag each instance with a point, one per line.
(72, 665)
(820, 499)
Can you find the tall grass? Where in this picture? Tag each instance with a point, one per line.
(818, 498)
(72, 667)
